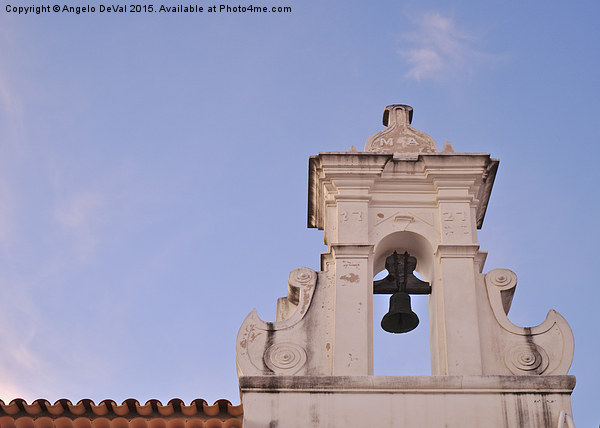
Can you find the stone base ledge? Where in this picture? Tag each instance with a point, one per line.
(409, 384)
(405, 401)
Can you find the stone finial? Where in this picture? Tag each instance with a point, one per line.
(400, 137)
(447, 148)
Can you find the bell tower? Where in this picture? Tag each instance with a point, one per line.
(403, 205)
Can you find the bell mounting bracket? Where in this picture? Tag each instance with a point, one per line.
(401, 277)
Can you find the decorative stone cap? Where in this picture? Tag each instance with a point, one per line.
(400, 137)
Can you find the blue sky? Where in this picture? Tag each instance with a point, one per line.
(153, 173)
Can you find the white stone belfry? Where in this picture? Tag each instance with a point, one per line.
(313, 366)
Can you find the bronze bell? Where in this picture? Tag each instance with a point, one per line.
(400, 282)
(400, 318)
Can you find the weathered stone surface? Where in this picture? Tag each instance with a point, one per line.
(406, 401)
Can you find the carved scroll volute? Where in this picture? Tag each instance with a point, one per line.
(541, 350)
(264, 348)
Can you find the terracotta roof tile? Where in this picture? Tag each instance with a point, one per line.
(129, 414)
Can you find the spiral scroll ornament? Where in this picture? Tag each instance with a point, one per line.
(502, 278)
(526, 359)
(302, 276)
(285, 358)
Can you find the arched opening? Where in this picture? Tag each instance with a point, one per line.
(404, 353)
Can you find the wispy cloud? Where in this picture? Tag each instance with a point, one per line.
(11, 135)
(11, 105)
(19, 364)
(6, 215)
(9, 102)
(439, 49)
(82, 214)
(33, 361)
(18, 361)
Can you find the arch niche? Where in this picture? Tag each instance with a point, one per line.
(412, 346)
